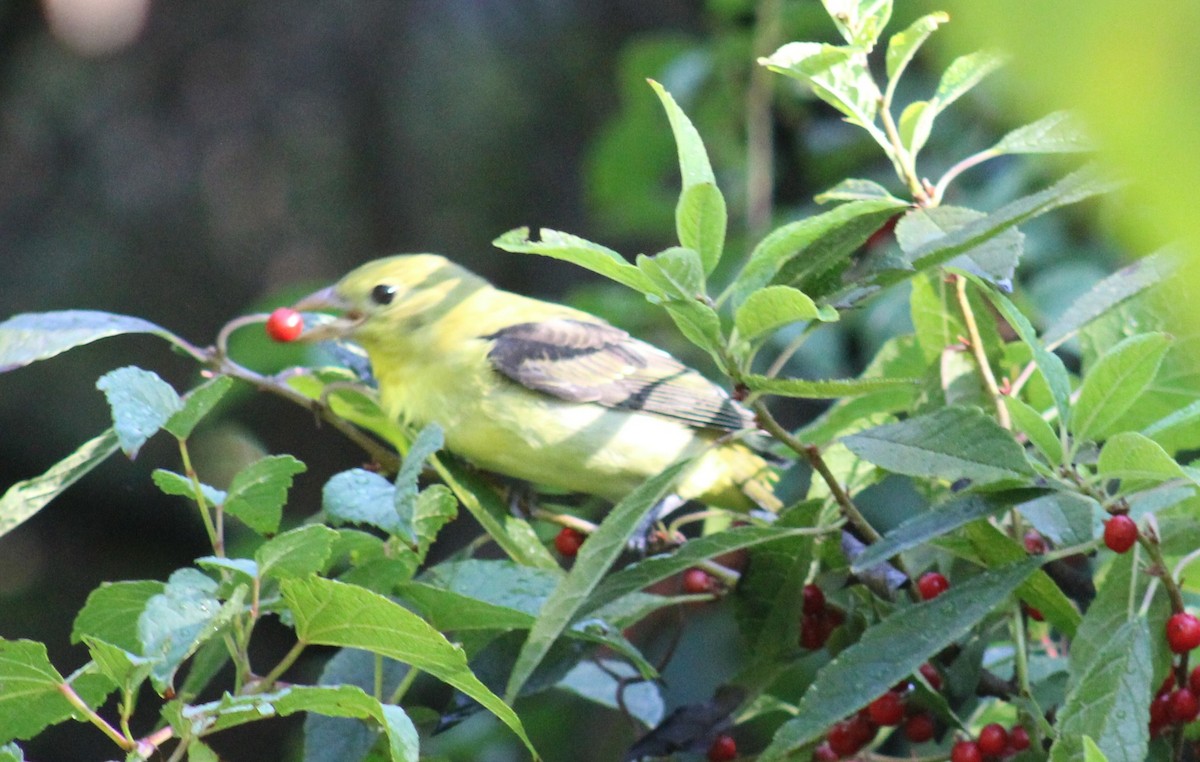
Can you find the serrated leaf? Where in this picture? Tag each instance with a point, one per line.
(774, 307)
(677, 272)
(935, 522)
(963, 74)
(890, 652)
(837, 75)
(1058, 132)
(820, 240)
(125, 669)
(836, 388)
(1035, 428)
(700, 222)
(179, 485)
(25, 498)
(1136, 460)
(855, 189)
(197, 403)
(904, 45)
(698, 323)
(295, 553)
(112, 610)
(951, 443)
(994, 259)
(428, 441)
(141, 403)
(1109, 293)
(180, 619)
(578, 251)
(1109, 703)
(258, 492)
(594, 559)
(34, 336)
(336, 614)
(359, 496)
(1112, 385)
(30, 699)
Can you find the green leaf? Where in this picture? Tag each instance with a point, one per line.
(296, 553)
(646, 572)
(963, 74)
(859, 21)
(30, 699)
(126, 670)
(359, 496)
(258, 492)
(1063, 518)
(1136, 460)
(1112, 385)
(10, 752)
(855, 189)
(693, 159)
(826, 389)
(335, 614)
(698, 323)
(111, 613)
(435, 508)
(577, 251)
(890, 652)
(904, 45)
(197, 403)
(1109, 293)
(1035, 428)
(774, 307)
(25, 498)
(700, 222)
(935, 522)
(1054, 133)
(141, 403)
(179, 485)
(594, 559)
(821, 241)
(916, 124)
(428, 441)
(1109, 703)
(180, 619)
(951, 443)
(837, 75)
(677, 272)
(994, 258)
(34, 336)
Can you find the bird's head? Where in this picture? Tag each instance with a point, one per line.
(388, 295)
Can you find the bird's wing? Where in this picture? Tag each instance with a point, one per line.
(582, 361)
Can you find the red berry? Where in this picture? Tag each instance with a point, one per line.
(813, 632)
(697, 581)
(1185, 706)
(966, 751)
(823, 753)
(919, 728)
(888, 709)
(1120, 533)
(568, 540)
(931, 675)
(814, 600)
(1034, 614)
(1035, 544)
(723, 749)
(1160, 710)
(1018, 738)
(931, 585)
(862, 729)
(285, 324)
(843, 740)
(1194, 681)
(1183, 632)
(993, 740)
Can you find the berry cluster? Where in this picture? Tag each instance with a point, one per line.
(849, 736)
(819, 619)
(1175, 704)
(993, 742)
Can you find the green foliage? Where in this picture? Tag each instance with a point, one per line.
(1010, 447)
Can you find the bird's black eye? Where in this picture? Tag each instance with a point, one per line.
(383, 294)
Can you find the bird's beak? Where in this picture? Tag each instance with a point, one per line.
(327, 328)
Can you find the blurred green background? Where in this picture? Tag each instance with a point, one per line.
(190, 162)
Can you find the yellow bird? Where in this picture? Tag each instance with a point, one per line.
(539, 391)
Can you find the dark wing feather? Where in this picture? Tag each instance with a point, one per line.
(594, 362)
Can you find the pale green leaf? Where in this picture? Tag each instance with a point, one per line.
(258, 492)
(34, 336)
(774, 307)
(578, 251)
(1054, 133)
(141, 403)
(1113, 384)
(904, 45)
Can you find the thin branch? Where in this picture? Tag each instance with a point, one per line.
(980, 353)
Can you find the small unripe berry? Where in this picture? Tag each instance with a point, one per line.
(1120, 533)
(919, 728)
(814, 600)
(966, 751)
(723, 749)
(931, 585)
(1018, 738)
(886, 710)
(696, 581)
(285, 324)
(993, 740)
(1183, 632)
(568, 540)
